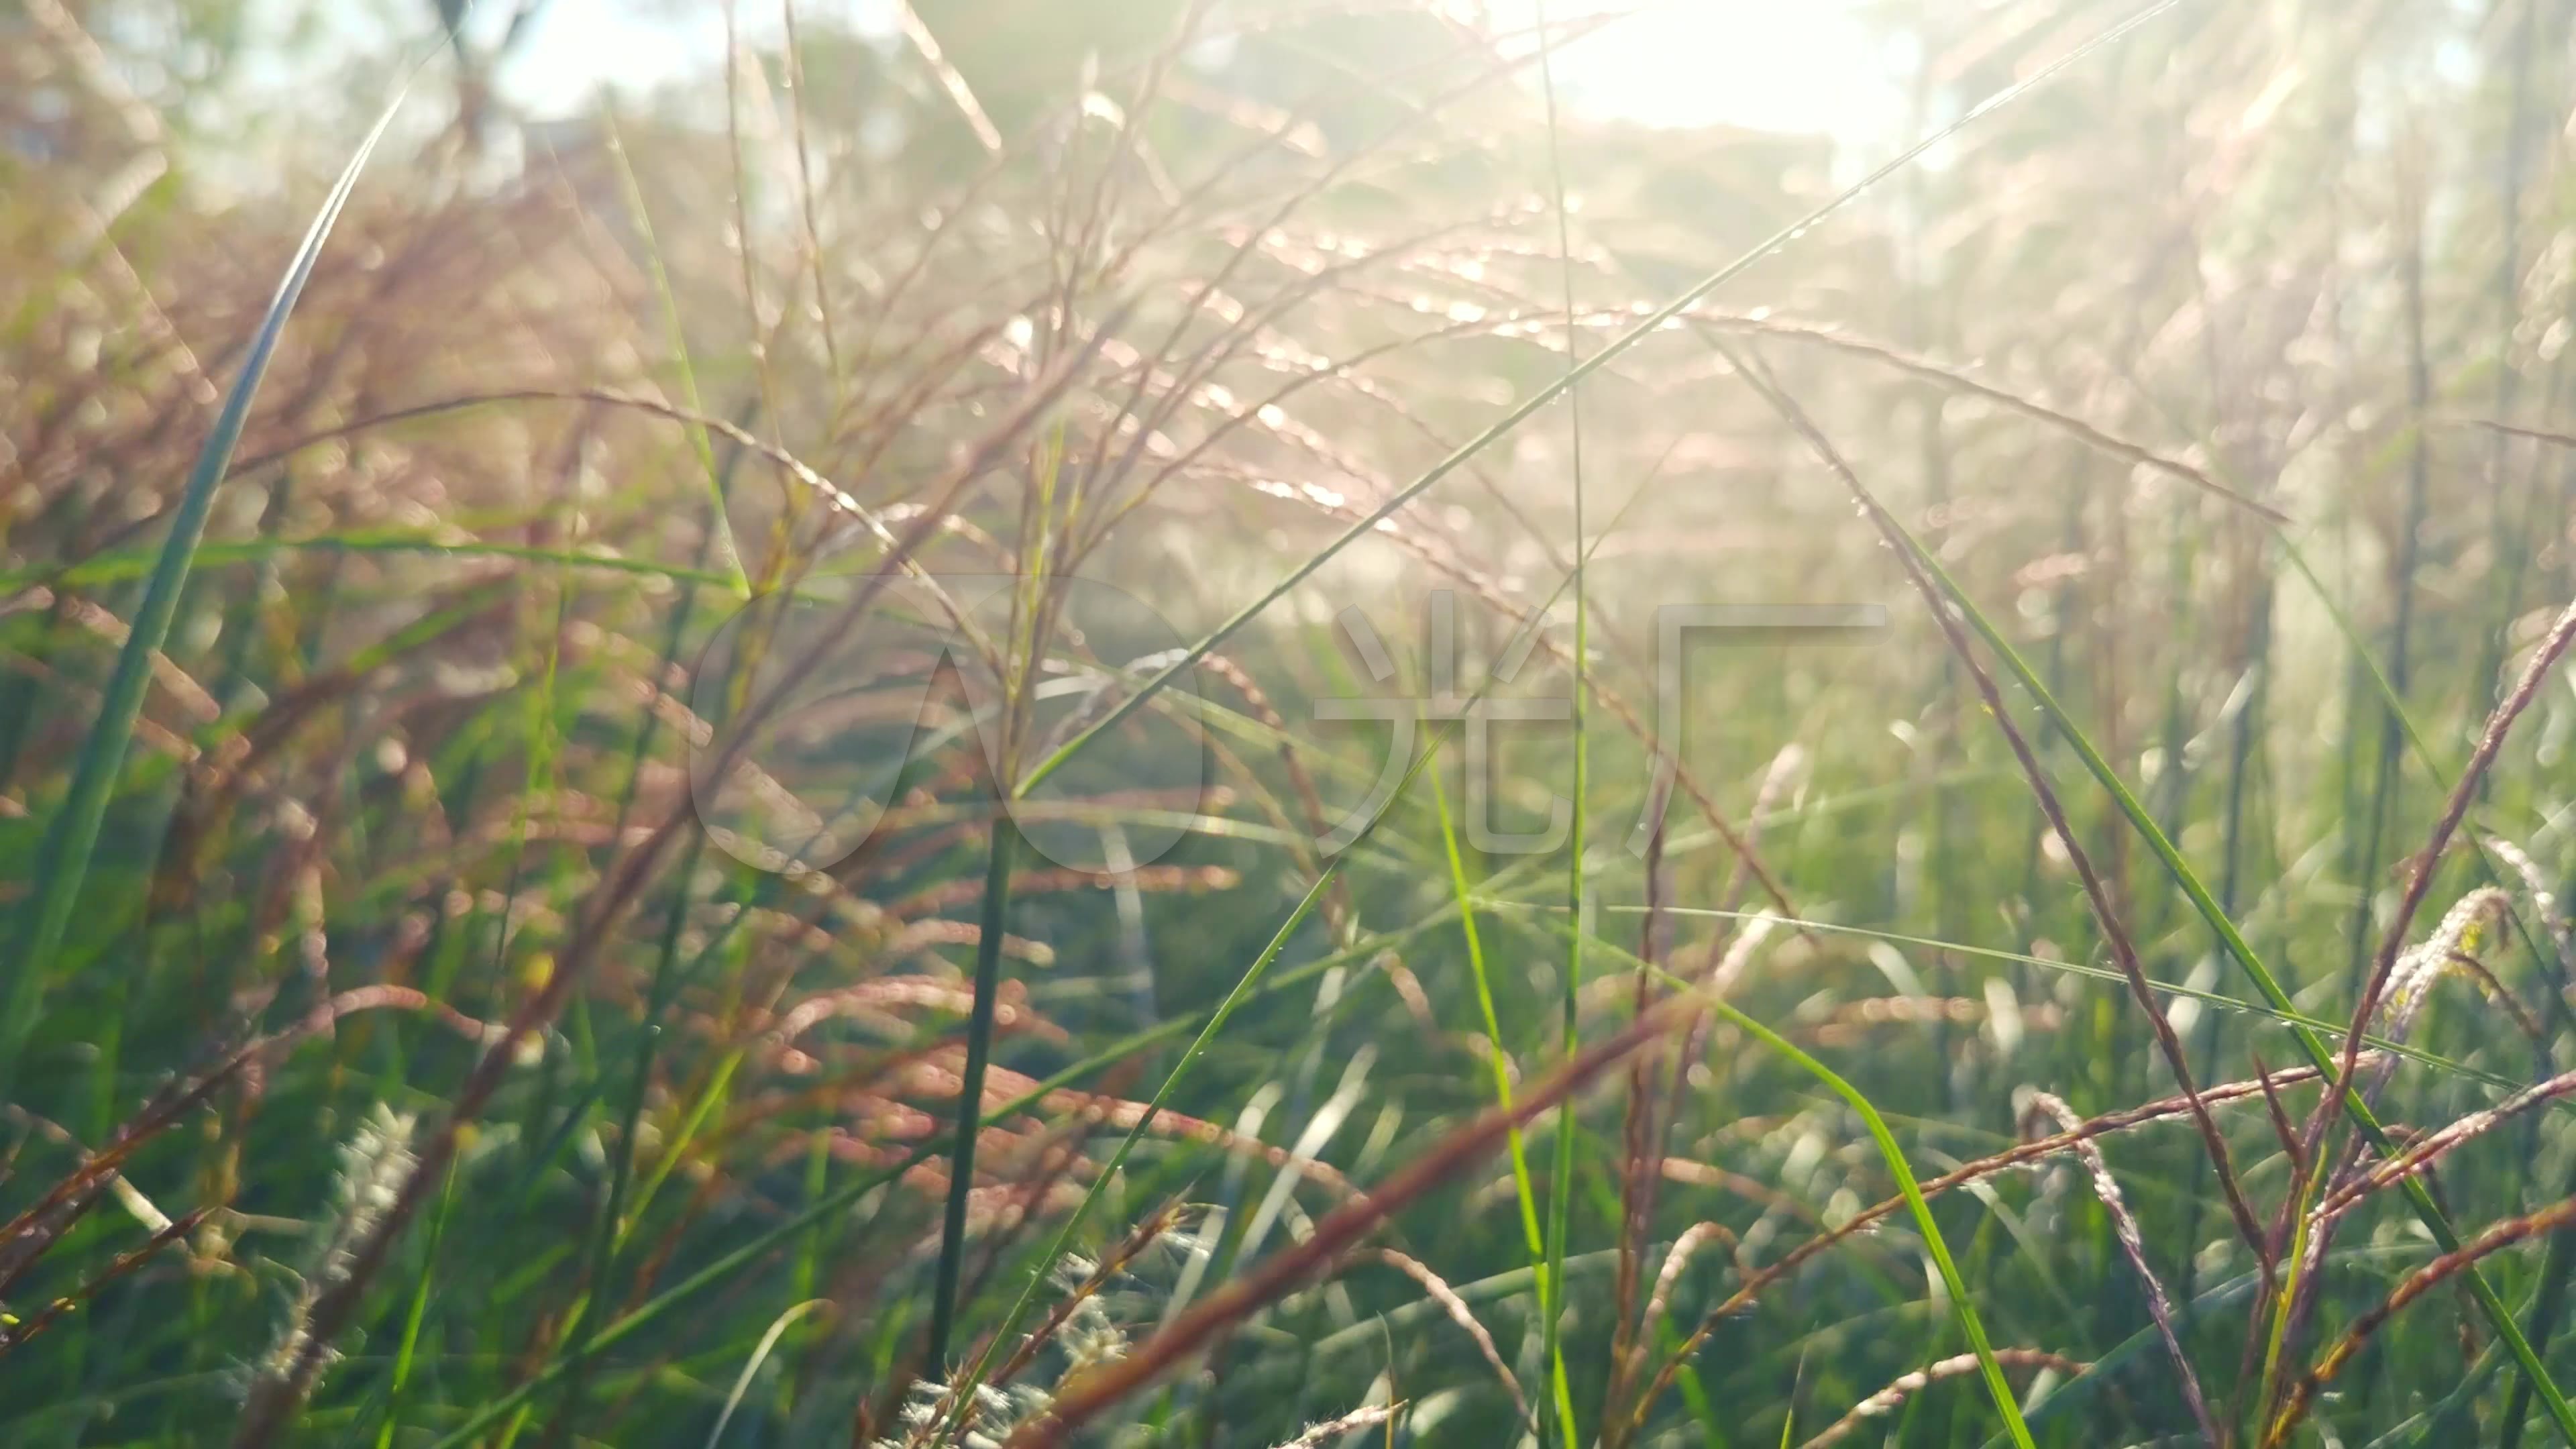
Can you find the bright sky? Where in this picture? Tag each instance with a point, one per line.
(1783, 65)
(577, 44)
(1793, 65)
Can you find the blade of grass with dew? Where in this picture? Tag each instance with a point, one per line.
(1573, 376)
(72, 835)
(2499, 1317)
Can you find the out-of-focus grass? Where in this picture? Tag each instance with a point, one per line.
(410, 1019)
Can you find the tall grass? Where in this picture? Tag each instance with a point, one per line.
(504, 954)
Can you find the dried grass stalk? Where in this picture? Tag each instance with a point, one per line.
(1887, 1400)
(2124, 1225)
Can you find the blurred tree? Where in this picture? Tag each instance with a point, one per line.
(1021, 56)
(475, 63)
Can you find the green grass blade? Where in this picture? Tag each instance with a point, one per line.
(408, 1349)
(72, 835)
(2006, 1404)
(1467, 906)
(970, 1096)
(1547, 1264)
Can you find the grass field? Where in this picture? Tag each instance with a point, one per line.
(1230, 724)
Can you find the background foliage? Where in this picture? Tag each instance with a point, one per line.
(1175, 294)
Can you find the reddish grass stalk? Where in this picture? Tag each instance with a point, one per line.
(2420, 872)
(1683, 1249)
(15, 1334)
(1333, 1236)
(2123, 951)
(2425, 1279)
(2422, 1153)
(2281, 1128)
(1638, 1168)
(2419, 879)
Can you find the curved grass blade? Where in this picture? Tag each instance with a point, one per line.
(1996, 1385)
(1961, 1306)
(759, 1355)
(72, 835)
